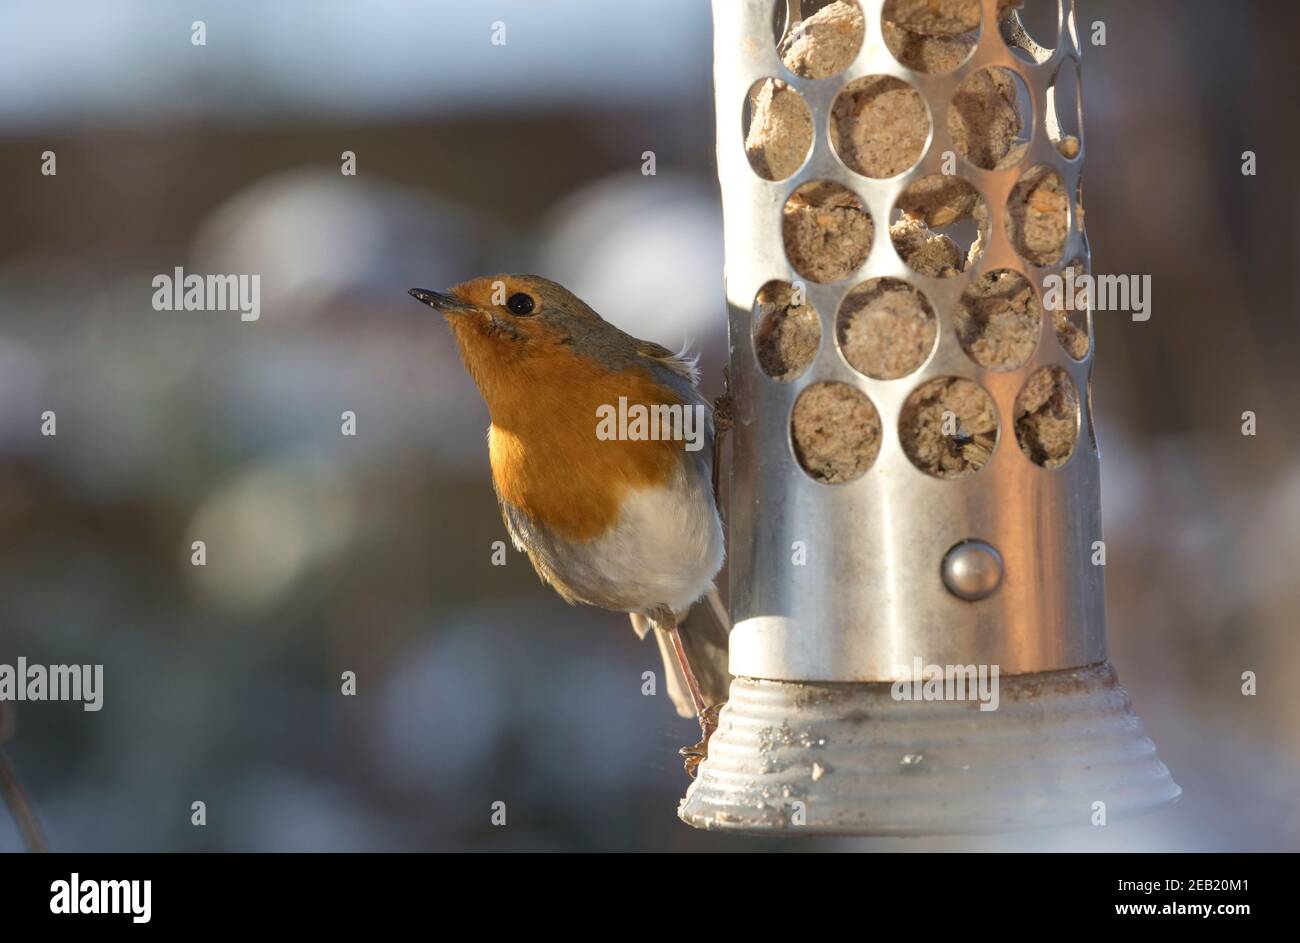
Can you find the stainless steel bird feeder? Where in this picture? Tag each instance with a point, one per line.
(844, 595)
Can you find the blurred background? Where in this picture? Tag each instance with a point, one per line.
(372, 554)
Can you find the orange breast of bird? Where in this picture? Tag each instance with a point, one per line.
(547, 460)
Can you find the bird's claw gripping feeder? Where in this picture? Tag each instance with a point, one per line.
(915, 485)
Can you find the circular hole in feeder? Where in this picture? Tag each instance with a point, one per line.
(913, 42)
(939, 225)
(948, 427)
(1071, 310)
(777, 127)
(937, 17)
(822, 40)
(835, 431)
(787, 330)
(989, 118)
(1030, 32)
(826, 230)
(1064, 120)
(1038, 215)
(886, 328)
(998, 320)
(1047, 417)
(879, 126)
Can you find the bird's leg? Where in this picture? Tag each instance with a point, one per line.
(693, 756)
(706, 714)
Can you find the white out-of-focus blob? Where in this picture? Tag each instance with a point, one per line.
(266, 528)
(442, 711)
(1122, 481)
(315, 234)
(1271, 544)
(645, 252)
(22, 382)
(285, 809)
(452, 704)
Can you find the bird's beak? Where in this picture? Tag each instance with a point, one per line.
(440, 301)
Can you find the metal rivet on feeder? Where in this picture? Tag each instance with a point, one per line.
(903, 402)
(972, 570)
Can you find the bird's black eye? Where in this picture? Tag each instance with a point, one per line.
(520, 304)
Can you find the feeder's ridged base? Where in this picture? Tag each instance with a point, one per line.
(849, 759)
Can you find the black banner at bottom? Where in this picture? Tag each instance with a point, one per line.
(89, 892)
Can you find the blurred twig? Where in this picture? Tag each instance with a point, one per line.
(11, 791)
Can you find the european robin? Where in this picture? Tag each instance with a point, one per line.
(604, 462)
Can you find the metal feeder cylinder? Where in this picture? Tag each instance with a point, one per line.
(915, 481)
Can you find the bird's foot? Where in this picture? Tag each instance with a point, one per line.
(695, 755)
(723, 411)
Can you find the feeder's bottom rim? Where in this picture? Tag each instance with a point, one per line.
(851, 761)
(800, 831)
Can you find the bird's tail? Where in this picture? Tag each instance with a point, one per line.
(704, 631)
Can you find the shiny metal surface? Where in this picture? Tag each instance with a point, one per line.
(972, 570)
(850, 759)
(838, 590)
(870, 596)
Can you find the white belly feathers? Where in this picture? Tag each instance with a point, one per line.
(665, 549)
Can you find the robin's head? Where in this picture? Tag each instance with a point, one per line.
(511, 326)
